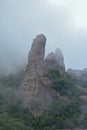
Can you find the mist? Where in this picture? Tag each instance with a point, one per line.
(63, 22)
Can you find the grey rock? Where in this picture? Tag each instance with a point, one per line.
(36, 64)
(74, 73)
(60, 58)
(79, 74)
(51, 62)
(35, 92)
(55, 61)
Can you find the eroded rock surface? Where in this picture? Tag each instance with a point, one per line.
(60, 58)
(36, 64)
(51, 62)
(55, 61)
(35, 91)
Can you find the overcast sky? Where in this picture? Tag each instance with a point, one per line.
(63, 22)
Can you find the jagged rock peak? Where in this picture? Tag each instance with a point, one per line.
(60, 58)
(51, 56)
(55, 60)
(41, 38)
(38, 46)
(36, 64)
(51, 61)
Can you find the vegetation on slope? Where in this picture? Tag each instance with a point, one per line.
(65, 85)
(62, 114)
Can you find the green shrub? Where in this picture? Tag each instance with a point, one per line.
(60, 115)
(84, 121)
(53, 74)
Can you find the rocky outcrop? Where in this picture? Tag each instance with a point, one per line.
(35, 91)
(55, 61)
(36, 64)
(51, 62)
(78, 73)
(60, 58)
(74, 73)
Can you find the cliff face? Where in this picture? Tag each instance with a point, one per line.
(35, 91)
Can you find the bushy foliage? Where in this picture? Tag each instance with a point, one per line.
(15, 117)
(65, 85)
(84, 121)
(60, 115)
(53, 75)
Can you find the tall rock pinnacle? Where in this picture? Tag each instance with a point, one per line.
(35, 91)
(36, 65)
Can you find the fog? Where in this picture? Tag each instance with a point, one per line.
(63, 22)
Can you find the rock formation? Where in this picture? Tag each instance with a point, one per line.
(55, 61)
(78, 73)
(36, 65)
(51, 62)
(74, 73)
(60, 58)
(35, 91)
